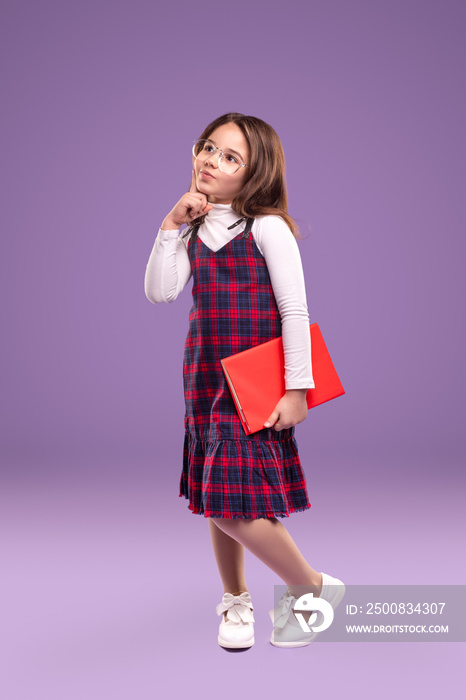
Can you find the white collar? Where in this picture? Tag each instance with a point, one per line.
(220, 217)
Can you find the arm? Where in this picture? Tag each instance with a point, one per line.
(281, 253)
(168, 269)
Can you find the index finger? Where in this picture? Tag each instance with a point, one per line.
(193, 187)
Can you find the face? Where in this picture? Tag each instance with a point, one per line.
(219, 187)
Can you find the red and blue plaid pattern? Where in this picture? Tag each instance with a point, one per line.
(226, 473)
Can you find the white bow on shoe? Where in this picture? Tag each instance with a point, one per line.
(238, 607)
(281, 614)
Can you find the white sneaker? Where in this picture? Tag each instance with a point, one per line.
(237, 631)
(287, 631)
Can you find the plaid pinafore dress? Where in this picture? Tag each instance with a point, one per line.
(226, 473)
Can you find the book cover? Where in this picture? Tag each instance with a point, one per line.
(256, 378)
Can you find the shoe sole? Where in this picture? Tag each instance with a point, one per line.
(290, 644)
(232, 645)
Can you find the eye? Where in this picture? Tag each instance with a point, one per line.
(231, 158)
(209, 148)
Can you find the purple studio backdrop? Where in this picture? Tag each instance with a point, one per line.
(111, 579)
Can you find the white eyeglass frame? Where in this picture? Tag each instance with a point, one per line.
(221, 157)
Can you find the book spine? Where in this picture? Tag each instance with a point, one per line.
(242, 417)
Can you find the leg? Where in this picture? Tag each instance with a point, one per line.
(270, 541)
(229, 555)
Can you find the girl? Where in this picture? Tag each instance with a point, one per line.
(248, 287)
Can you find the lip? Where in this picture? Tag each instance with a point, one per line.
(205, 175)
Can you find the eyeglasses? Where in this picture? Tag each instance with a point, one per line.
(228, 162)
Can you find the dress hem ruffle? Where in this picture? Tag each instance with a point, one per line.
(211, 514)
(243, 478)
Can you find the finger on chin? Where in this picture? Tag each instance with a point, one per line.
(193, 187)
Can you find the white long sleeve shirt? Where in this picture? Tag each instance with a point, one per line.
(169, 270)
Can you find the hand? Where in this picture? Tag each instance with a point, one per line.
(189, 207)
(290, 410)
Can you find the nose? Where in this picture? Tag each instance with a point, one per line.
(211, 156)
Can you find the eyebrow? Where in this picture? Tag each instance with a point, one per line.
(228, 149)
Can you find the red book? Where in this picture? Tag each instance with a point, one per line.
(256, 378)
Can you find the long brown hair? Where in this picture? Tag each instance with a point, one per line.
(264, 191)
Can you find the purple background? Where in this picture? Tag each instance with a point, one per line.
(110, 582)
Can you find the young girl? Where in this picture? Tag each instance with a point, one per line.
(248, 287)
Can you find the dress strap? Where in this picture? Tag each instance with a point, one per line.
(247, 230)
(194, 229)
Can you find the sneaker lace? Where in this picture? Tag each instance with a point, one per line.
(281, 614)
